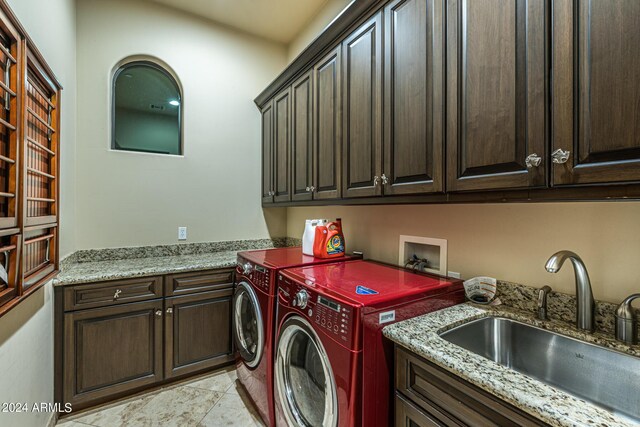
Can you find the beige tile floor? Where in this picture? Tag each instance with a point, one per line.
(215, 399)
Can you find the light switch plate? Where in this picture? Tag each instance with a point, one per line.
(182, 233)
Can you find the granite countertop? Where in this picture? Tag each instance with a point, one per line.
(549, 404)
(98, 271)
(89, 266)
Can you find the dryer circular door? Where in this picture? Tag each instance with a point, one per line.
(304, 378)
(248, 324)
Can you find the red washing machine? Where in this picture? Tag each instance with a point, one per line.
(333, 367)
(254, 306)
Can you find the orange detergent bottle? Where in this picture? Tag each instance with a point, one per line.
(329, 240)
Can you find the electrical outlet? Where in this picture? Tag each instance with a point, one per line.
(454, 274)
(182, 233)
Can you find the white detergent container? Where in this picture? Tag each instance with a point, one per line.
(310, 233)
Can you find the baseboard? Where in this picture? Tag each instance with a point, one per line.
(53, 420)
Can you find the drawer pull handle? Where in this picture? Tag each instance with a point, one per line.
(158, 313)
(560, 156)
(533, 161)
(117, 294)
(169, 310)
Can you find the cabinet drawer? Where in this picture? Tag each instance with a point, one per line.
(450, 399)
(92, 295)
(200, 281)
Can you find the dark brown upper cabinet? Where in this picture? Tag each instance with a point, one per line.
(267, 153)
(444, 101)
(413, 94)
(362, 111)
(596, 97)
(282, 145)
(302, 137)
(496, 94)
(327, 129)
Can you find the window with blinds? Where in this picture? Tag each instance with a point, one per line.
(29, 165)
(10, 236)
(9, 50)
(40, 150)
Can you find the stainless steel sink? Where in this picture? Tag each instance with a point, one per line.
(607, 378)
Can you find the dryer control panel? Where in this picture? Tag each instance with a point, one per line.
(257, 274)
(328, 315)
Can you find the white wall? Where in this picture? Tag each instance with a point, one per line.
(128, 199)
(507, 241)
(26, 332)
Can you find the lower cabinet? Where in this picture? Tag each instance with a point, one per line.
(407, 415)
(198, 332)
(109, 343)
(427, 395)
(112, 350)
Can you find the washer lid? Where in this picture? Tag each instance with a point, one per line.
(370, 284)
(285, 257)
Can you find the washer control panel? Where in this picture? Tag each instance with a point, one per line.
(257, 274)
(335, 318)
(327, 314)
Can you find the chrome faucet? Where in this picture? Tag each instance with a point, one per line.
(626, 322)
(543, 292)
(585, 316)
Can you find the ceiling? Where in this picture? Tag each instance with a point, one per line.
(277, 20)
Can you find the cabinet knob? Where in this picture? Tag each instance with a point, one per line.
(385, 180)
(560, 156)
(169, 310)
(308, 188)
(376, 180)
(116, 295)
(158, 313)
(533, 161)
(312, 189)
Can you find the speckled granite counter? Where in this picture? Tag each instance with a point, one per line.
(557, 408)
(110, 264)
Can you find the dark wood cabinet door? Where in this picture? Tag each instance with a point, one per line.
(362, 111)
(267, 153)
(408, 415)
(198, 332)
(596, 98)
(302, 137)
(446, 399)
(281, 145)
(110, 351)
(414, 90)
(327, 127)
(496, 94)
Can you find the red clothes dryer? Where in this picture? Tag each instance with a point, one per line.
(254, 306)
(333, 367)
